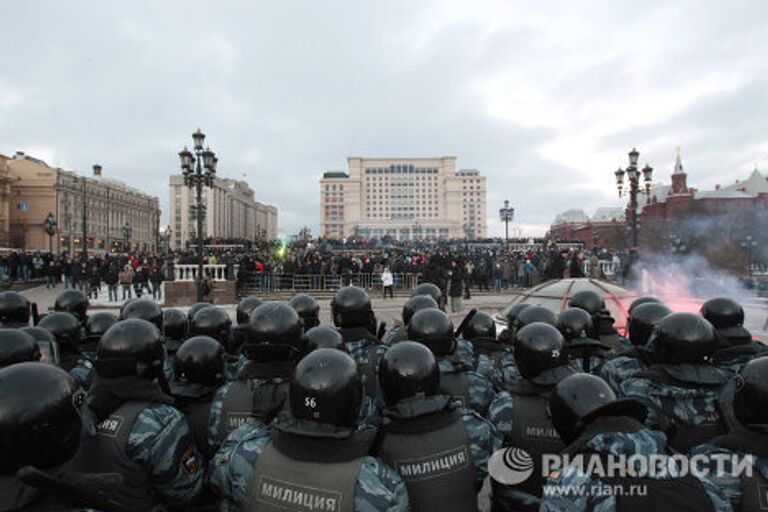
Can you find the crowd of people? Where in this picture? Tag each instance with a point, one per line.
(159, 409)
(270, 265)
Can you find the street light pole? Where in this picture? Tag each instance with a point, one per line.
(748, 244)
(85, 214)
(633, 181)
(199, 170)
(507, 215)
(127, 235)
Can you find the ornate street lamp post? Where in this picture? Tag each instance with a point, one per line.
(199, 170)
(50, 226)
(633, 182)
(127, 230)
(507, 215)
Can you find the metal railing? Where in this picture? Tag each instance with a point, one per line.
(330, 282)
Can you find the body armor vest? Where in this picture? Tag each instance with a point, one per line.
(532, 430)
(105, 452)
(432, 455)
(456, 384)
(300, 474)
(243, 405)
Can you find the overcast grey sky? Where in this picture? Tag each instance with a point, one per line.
(544, 98)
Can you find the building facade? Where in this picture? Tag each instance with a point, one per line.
(403, 198)
(231, 212)
(5, 201)
(106, 205)
(677, 214)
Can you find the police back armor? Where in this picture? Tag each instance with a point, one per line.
(432, 455)
(105, 452)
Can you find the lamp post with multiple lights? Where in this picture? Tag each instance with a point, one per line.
(507, 215)
(634, 188)
(199, 170)
(50, 225)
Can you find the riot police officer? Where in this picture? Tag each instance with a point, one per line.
(640, 324)
(14, 310)
(642, 300)
(175, 330)
(354, 317)
(433, 291)
(139, 434)
(600, 428)
(425, 428)
(307, 308)
(581, 348)
(520, 413)
(74, 302)
(324, 336)
(192, 311)
(507, 336)
(681, 388)
(66, 329)
(243, 312)
(434, 329)
(746, 438)
(214, 322)
(411, 306)
(49, 349)
(488, 351)
(319, 455)
(199, 372)
(735, 345)
(593, 304)
(95, 327)
(41, 426)
(260, 392)
(142, 309)
(16, 346)
(506, 375)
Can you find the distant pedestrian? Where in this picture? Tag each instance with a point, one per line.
(126, 281)
(387, 281)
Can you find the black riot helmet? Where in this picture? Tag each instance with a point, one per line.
(481, 325)
(175, 326)
(97, 324)
(587, 300)
(575, 323)
(643, 300)
(351, 307)
(131, 347)
(326, 388)
(144, 310)
(200, 360)
(582, 396)
(307, 308)
(14, 309)
(434, 329)
(72, 301)
(535, 314)
(723, 313)
(40, 420)
(16, 346)
(406, 369)
(275, 323)
(245, 307)
(683, 338)
(39, 334)
(511, 314)
(324, 336)
(125, 305)
(643, 319)
(429, 289)
(213, 322)
(538, 347)
(750, 402)
(417, 303)
(192, 311)
(64, 327)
